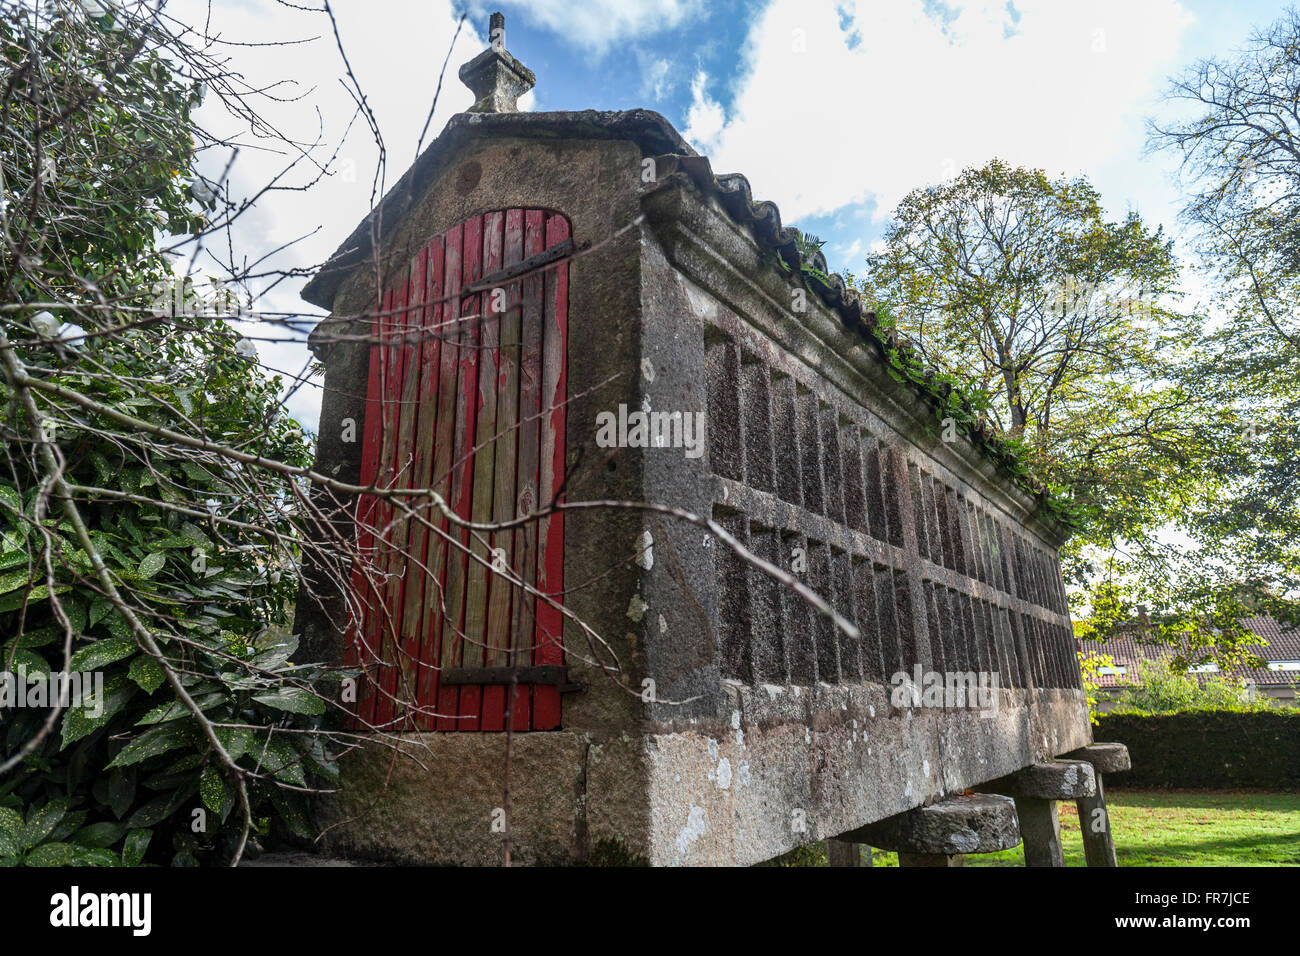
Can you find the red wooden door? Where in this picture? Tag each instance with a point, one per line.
(466, 395)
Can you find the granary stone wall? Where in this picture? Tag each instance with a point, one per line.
(744, 723)
(819, 461)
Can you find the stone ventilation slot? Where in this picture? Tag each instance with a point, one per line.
(724, 429)
(798, 621)
(940, 656)
(735, 657)
(825, 633)
(828, 419)
(875, 499)
(846, 605)
(785, 424)
(855, 510)
(891, 648)
(868, 620)
(766, 595)
(906, 621)
(959, 533)
(756, 403)
(893, 479)
(810, 451)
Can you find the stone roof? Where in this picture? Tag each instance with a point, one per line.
(646, 128)
(674, 157)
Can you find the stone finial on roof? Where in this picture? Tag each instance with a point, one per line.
(496, 78)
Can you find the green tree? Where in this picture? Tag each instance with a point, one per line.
(1056, 320)
(1238, 139)
(1165, 687)
(162, 566)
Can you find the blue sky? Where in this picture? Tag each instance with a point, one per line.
(723, 60)
(833, 109)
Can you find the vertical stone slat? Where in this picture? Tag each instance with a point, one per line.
(947, 544)
(985, 661)
(938, 652)
(922, 509)
(798, 618)
(810, 451)
(892, 657)
(877, 525)
(905, 613)
(722, 361)
(845, 602)
(756, 407)
(785, 432)
(832, 464)
(735, 620)
(825, 633)
(855, 506)
(868, 620)
(894, 488)
(959, 532)
(768, 653)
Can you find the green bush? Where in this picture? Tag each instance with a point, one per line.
(1157, 688)
(201, 548)
(1207, 749)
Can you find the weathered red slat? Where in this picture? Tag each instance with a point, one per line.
(448, 698)
(550, 560)
(475, 409)
(478, 589)
(426, 542)
(365, 507)
(501, 591)
(378, 586)
(471, 696)
(403, 685)
(462, 473)
(529, 462)
(404, 384)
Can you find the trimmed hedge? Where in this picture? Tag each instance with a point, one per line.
(1217, 749)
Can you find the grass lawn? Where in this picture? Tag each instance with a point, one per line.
(1166, 828)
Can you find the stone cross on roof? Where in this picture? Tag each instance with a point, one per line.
(496, 78)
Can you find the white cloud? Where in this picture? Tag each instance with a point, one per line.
(656, 73)
(896, 98)
(595, 25)
(398, 72)
(705, 119)
(850, 251)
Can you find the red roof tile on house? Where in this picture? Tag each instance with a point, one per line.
(1125, 648)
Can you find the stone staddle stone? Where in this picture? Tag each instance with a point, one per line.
(1104, 757)
(1049, 780)
(975, 823)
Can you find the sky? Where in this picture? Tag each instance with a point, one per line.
(832, 110)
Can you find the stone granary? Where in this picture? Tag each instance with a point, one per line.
(572, 307)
